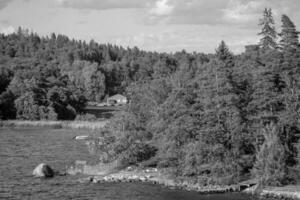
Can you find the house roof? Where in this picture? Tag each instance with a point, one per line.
(117, 96)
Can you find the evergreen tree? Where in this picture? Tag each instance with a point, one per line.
(290, 73)
(268, 31)
(289, 44)
(220, 120)
(227, 112)
(266, 98)
(289, 34)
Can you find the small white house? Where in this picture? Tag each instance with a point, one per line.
(117, 99)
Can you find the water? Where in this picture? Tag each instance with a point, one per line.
(21, 150)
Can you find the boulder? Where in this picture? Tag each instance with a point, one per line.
(43, 170)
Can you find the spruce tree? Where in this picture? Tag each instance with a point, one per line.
(289, 45)
(219, 98)
(225, 95)
(220, 121)
(290, 74)
(266, 99)
(268, 31)
(289, 34)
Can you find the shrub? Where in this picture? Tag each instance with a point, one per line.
(7, 106)
(86, 117)
(270, 167)
(136, 153)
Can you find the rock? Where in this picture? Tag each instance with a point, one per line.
(150, 170)
(86, 180)
(149, 176)
(106, 178)
(130, 168)
(143, 179)
(81, 137)
(43, 170)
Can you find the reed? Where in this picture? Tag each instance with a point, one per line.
(95, 125)
(101, 169)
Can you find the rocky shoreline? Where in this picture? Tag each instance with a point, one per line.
(280, 193)
(159, 177)
(109, 173)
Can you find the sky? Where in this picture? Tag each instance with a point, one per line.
(154, 25)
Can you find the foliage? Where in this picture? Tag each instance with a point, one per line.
(270, 165)
(268, 32)
(7, 107)
(289, 34)
(86, 117)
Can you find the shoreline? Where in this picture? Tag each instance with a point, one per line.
(90, 125)
(153, 176)
(286, 192)
(163, 178)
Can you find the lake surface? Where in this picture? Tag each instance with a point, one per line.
(21, 150)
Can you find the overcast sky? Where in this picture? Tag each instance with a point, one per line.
(160, 25)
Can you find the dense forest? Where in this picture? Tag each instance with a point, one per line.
(218, 118)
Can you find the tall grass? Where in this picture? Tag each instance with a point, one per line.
(100, 169)
(95, 125)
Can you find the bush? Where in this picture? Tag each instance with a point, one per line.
(136, 153)
(270, 167)
(7, 106)
(86, 117)
(152, 162)
(47, 113)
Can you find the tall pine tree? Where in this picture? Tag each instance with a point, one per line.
(289, 45)
(268, 31)
(290, 74)
(220, 121)
(289, 34)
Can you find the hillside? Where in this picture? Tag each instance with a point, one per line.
(218, 118)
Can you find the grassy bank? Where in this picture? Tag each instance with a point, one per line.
(55, 124)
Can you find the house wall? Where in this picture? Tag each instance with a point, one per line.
(118, 100)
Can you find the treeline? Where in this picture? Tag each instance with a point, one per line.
(48, 78)
(218, 119)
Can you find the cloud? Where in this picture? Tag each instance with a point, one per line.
(241, 12)
(217, 11)
(162, 8)
(7, 30)
(105, 4)
(4, 3)
(190, 12)
(199, 12)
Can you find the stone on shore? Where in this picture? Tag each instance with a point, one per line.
(43, 170)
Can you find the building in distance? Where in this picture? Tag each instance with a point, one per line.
(117, 99)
